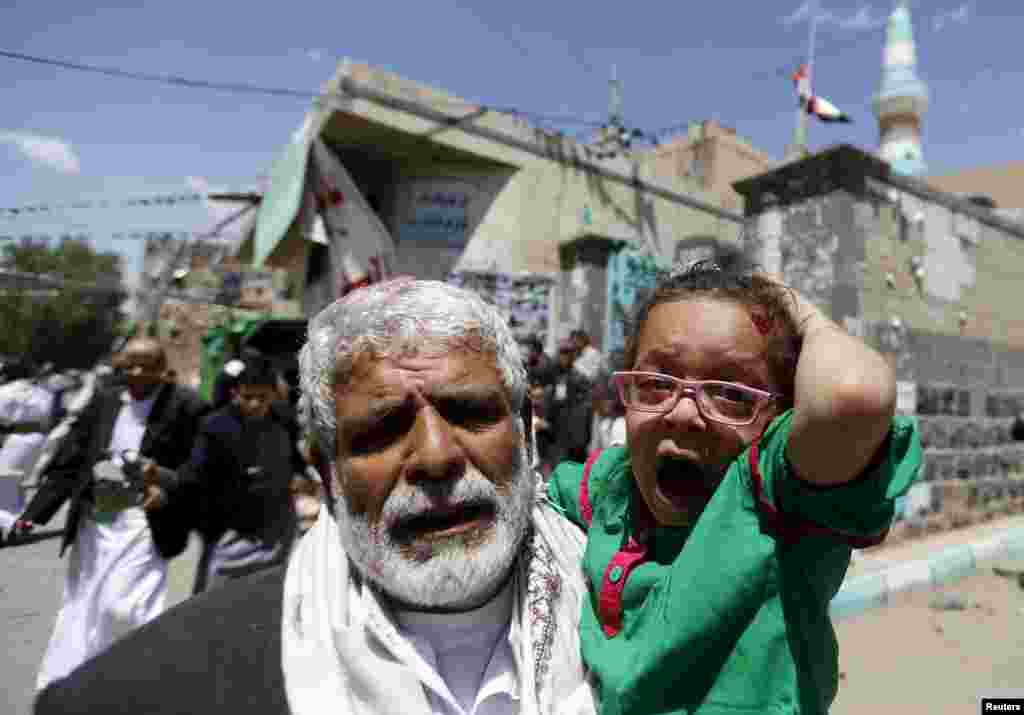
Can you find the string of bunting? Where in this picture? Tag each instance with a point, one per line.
(121, 236)
(158, 200)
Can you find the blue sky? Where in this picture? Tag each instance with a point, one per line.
(67, 136)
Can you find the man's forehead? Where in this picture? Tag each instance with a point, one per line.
(255, 388)
(138, 352)
(425, 371)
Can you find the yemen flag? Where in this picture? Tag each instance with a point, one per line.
(813, 105)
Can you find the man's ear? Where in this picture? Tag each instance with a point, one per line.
(526, 412)
(323, 467)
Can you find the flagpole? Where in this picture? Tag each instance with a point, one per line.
(800, 146)
(802, 141)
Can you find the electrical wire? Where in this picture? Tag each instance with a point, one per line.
(588, 125)
(158, 200)
(246, 88)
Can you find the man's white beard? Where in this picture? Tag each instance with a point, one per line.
(455, 576)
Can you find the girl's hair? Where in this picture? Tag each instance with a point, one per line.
(731, 277)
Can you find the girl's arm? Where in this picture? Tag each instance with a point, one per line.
(845, 399)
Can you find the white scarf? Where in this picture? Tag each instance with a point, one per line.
(342, 654)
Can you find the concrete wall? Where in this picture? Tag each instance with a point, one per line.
(842, 250)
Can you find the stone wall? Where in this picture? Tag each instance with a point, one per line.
(944, 432)
(942, 465)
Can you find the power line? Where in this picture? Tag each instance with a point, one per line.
(247, 88)
(588, 125)
(119, 236)
(158, 200)
(165, 79)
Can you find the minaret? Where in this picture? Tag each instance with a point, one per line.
(902, 100)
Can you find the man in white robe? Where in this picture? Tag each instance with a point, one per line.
(26, 407)
(120, 537)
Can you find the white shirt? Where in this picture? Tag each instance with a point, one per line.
(590, 362)
(608, 432)
(469, 655)
(130, 426)
(23, 401)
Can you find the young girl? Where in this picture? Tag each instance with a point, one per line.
(762, 448)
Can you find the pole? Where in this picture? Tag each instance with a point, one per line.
(183, 253)
(800, 145)
(802, 138)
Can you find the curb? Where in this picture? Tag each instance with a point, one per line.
(948, 566)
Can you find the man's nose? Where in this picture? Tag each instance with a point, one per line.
(436, 453)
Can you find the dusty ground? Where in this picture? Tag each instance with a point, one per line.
(911, 659)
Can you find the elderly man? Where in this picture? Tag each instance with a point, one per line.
(117, 570)
(442, 584)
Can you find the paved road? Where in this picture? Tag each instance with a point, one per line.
(30, 591)
(910, 659)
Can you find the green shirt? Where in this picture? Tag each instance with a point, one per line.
(730, 614)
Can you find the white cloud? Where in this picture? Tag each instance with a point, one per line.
(51, 152)
(864, 18)
(956, 16)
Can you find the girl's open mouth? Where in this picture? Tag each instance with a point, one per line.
(681, 482)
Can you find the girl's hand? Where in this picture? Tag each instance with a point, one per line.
(808, 317)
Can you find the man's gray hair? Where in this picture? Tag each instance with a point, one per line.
(393, 318)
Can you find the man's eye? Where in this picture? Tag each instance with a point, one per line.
(381, 435)
(472, 415)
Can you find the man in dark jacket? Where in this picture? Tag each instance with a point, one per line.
(239, 476)
(570, 407)
(121, 534)
(540, 368)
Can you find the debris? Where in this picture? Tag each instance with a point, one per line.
(948, 602)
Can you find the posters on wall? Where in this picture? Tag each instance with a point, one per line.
(523, 299)
(632, 274)
(433, 224)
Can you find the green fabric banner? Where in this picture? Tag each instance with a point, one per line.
(283, 198)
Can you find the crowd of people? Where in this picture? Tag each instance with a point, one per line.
(497, 530)
(141, 463)
(576, 410)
